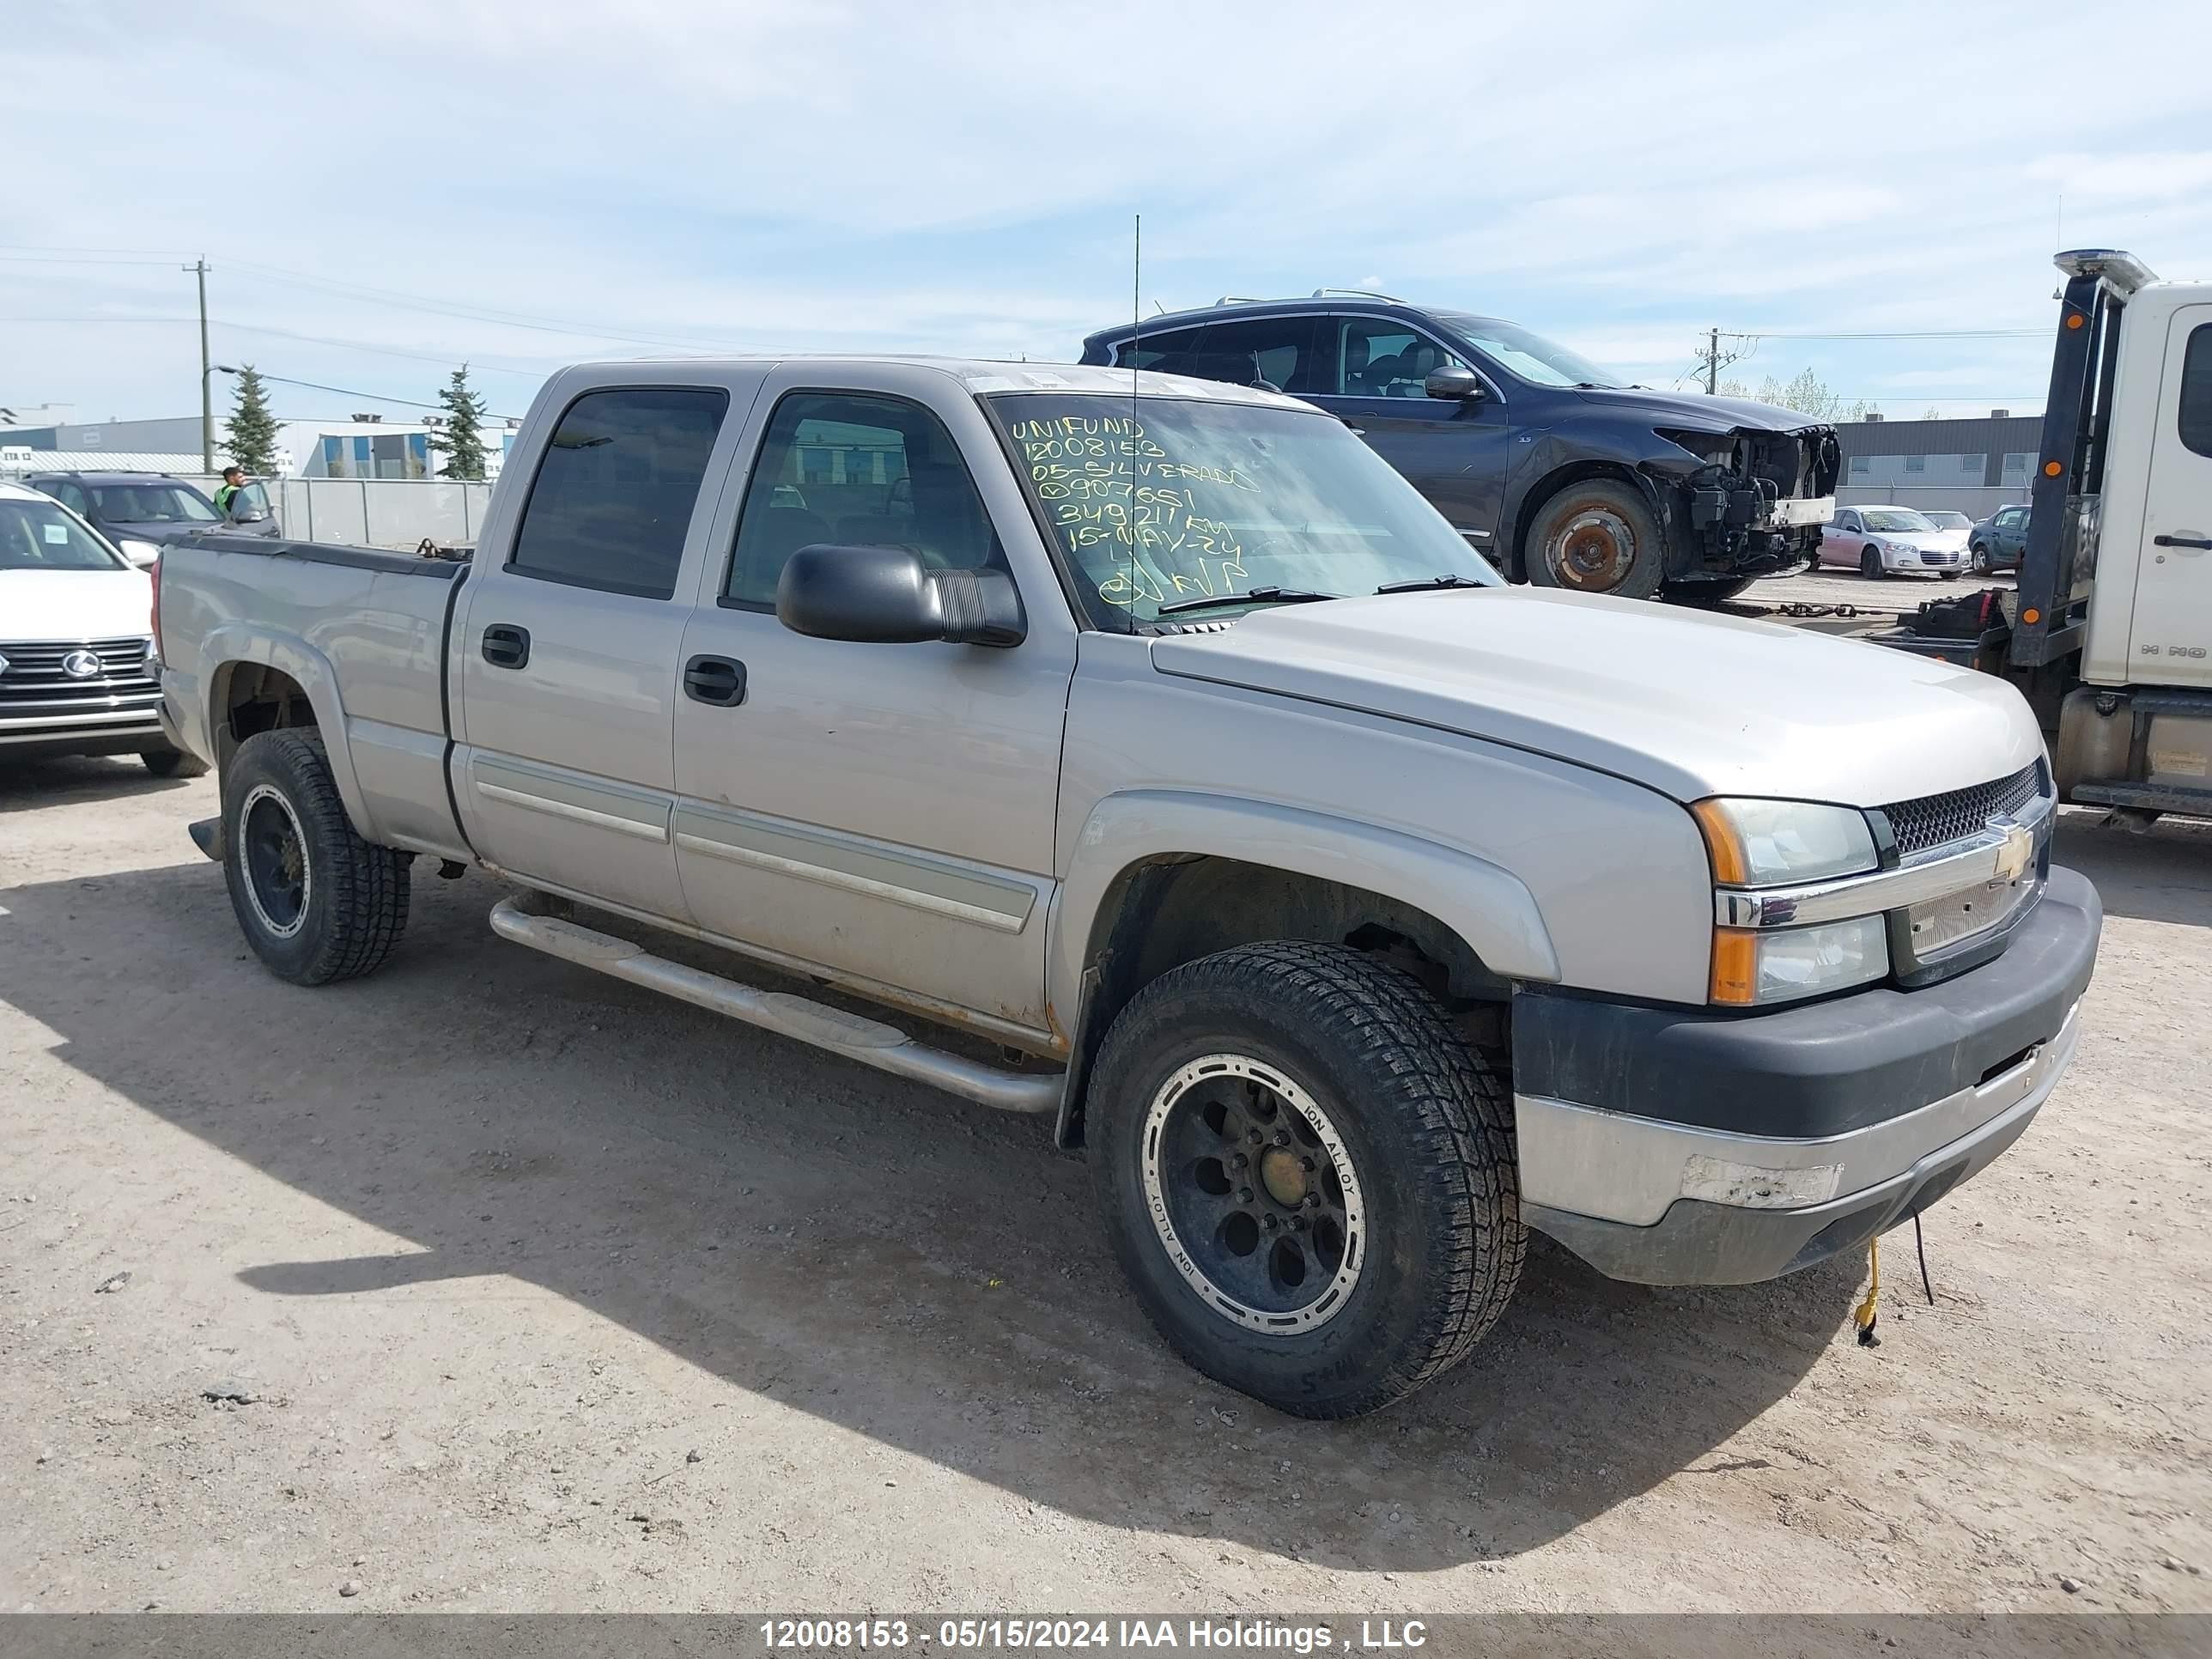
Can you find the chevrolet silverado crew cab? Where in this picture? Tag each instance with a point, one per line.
(1145, 753)
(76, 623)
(1560, 473)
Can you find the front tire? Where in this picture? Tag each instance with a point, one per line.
(1372, 1232)
(172, 763)
(1597, 537)
(315, 900)
(1870, 564)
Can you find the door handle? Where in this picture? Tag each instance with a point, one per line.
(720, 681)
(505, 645)
(2199, 544)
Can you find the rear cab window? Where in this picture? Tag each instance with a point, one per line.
(613, 498)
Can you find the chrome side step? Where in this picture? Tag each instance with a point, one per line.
(870, 1042)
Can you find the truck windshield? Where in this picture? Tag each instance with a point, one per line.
(40, 535)
(1529, 355)
(1158, 501)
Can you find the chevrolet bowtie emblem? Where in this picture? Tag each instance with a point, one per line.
(2015, 853)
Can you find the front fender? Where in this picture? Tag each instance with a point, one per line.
(236, 643)
(1487, 906)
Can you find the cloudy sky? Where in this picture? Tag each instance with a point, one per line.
(381, 191)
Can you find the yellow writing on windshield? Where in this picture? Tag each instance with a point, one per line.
(1167, 527)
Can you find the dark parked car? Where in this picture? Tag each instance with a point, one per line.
(142, 512)
(1560, 473)
(1996, 542)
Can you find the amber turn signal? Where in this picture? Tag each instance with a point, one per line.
(1730, 867)
(1735, 966)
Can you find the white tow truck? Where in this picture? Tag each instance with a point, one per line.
(2110, 636)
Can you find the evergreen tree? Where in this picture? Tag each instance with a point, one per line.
(249, 434)
(461, 442)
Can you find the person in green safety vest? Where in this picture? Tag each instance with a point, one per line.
(233, 480)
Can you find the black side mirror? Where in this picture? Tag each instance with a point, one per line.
(1452, 382)
(888, 596)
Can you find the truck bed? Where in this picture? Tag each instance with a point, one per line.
(229, 604)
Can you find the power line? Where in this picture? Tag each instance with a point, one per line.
(1907, 334)
(254, 270)
(471, 313)
(372, 397)
(294, 334)
(49, 259)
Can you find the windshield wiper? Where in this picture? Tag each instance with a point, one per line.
(1249, 596)
(1428, 584)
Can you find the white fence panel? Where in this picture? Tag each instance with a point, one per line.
(404, 516)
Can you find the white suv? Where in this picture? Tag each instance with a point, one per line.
(75, 635)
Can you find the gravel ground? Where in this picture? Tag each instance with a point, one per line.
(516, 1289)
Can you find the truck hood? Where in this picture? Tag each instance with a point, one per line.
(1686, 702)
(76, 604)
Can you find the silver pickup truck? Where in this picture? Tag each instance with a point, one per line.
(1353, 912)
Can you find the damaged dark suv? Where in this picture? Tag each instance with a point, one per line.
(1560, 474)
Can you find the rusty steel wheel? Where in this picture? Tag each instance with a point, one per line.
(1596, 537)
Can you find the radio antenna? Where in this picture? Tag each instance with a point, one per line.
(1136, 335)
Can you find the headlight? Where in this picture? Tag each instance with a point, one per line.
(1788, 843)
(1752, 967)
(139, 552)
(1760, 843)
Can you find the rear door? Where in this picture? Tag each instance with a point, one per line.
(569, 652)
(885, 812)
(2173, 635)
(1452, 451)
(1839, 538)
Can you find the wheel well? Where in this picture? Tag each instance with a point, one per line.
(255, 697)
(1551, 484)
(1170, 910)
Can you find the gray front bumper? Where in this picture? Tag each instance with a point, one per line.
(1740, 1209)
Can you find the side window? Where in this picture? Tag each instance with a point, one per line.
(1378, 359)
(1276, 349)
(2195, 418)
(853, 469)
(70, 496)
(1150, 350)
(614, 494)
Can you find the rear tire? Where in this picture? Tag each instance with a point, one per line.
(172, 763)
(1597, 536)
(1339, 1287)
(315, 900)
(1870, 564)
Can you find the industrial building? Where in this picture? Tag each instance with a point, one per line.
(1973, 466)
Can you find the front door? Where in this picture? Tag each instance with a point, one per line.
(883, 810)
(1453, 451)
(568, 669)
(2172, 634)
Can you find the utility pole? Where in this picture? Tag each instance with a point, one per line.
(198, 268)
(1713, 352)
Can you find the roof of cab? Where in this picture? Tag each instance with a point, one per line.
(981, 374)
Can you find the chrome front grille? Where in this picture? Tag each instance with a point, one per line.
(1933, 820)
(35, 687)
